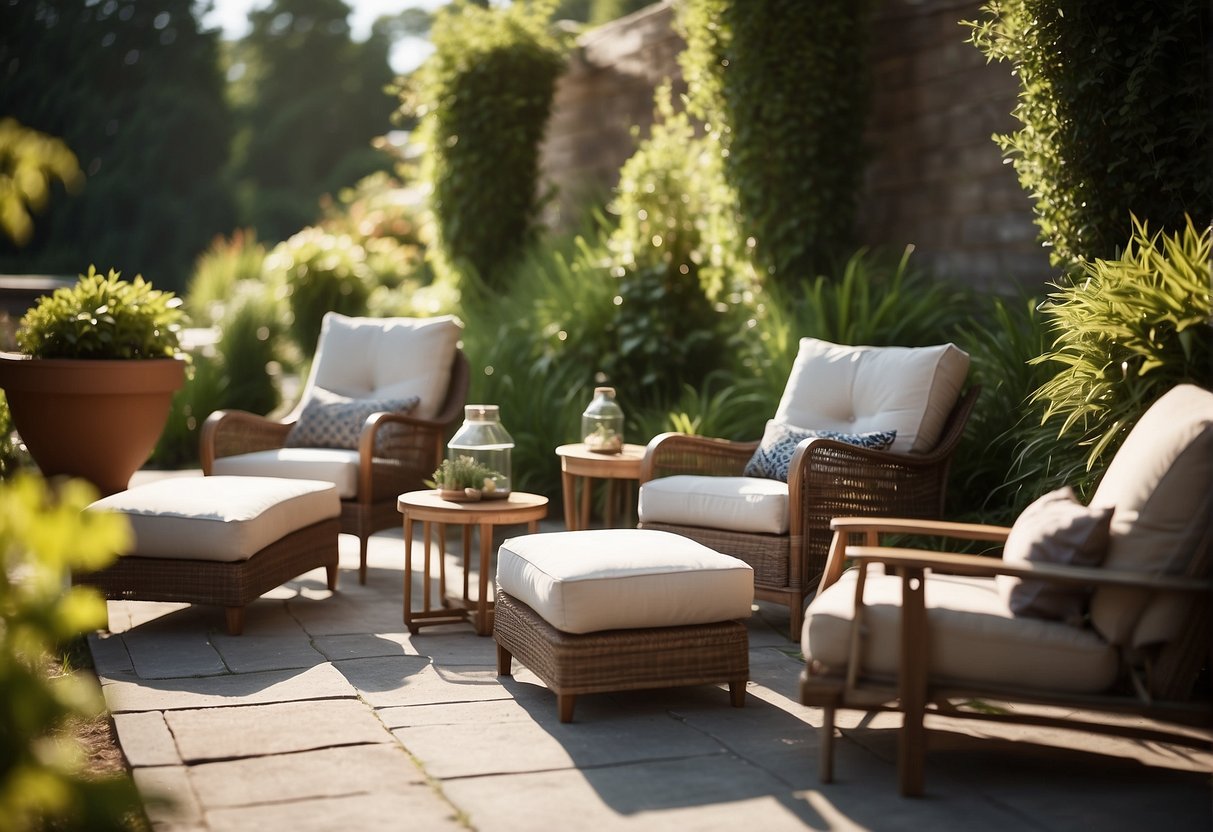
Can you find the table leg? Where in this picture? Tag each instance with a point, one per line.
(569, 488)
(442, 565)
(425, 581)
(465, 532)
(408, 573)
(612, 503)
(484, 626)
(587, 491)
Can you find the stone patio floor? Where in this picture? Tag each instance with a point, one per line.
(327, 715)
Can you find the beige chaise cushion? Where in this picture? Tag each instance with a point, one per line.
(609, 579)
(741, 504)
(974, 636)
(858, 390)
(1160, 485)
(219, 518)
(336, 465)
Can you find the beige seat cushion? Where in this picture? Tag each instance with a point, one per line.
(386, 358)
(609, 579)
(1160, 485)
(859, 390)
(740, 504)
(974, 636)
(219, 518)
(336, 465)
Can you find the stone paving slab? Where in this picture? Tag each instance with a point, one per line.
(414, 680)
(411, 810)
(125, 693)
(257, 730)
(169, 799)
(704, 793)
(382, 768)
(146, 739)
(258, 650)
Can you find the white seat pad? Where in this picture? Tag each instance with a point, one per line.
(974, 636)
(219, 518)
(739, 504)
(611, 579)
(336, 465)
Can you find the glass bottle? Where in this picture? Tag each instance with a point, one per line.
(602, 423)
(483, 438)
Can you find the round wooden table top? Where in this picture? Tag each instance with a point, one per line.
(578, 459)
(519, 507)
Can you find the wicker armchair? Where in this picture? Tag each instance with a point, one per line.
(826, 478)
(365, 358)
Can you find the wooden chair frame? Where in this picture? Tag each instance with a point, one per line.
(1163, 692)
(826, 479)
(389, 463)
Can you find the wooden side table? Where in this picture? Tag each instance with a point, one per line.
(428, 507)
(578, 461)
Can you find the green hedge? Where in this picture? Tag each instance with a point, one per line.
(1114, 103)
(484, 97)
(782, 86)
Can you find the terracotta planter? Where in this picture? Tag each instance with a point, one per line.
(99, 420)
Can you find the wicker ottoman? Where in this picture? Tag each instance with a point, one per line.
(622, 609)
(220, 540)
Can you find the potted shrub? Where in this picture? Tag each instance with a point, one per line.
(90, 391)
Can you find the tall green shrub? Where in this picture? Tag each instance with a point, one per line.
(1114, 106)
(782, 87)
(319, 272)
(484, 97)
(1125, 333)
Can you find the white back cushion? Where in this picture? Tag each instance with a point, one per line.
(860, 389)
(386, 358)
(1160, 485)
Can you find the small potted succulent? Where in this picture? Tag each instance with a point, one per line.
(463, 479)
(90, 391)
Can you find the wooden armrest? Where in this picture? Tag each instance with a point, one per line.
(231, 432)
(668, 454)
(979, 566)
(934, 528)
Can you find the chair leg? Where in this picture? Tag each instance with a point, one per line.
(234, 617)
(331, 574)
(796, 607)
(825, 761)
(565, 703)
(737, 692)
(362, 545)
(912, 683)
(505, 662)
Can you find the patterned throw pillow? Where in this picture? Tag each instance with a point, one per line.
(774, 454)
(330, 420)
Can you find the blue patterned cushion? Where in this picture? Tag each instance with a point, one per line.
(330, 420)
(779, 441)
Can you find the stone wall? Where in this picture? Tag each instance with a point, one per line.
(935, 179)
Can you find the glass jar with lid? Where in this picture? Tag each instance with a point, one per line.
(484, 440)
(602, 423)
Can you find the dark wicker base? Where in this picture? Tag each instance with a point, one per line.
(614, 660)
(226, 584)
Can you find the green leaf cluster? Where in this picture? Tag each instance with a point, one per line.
(104, 317)
(43, 536)
(1114, 107)
(1126, 332)
(483, 98)
(460, 473)
(319, 272)
(782, 88)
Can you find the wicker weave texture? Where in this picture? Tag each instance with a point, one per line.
(615, 660)
(226, 584)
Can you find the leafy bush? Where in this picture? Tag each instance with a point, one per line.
(1127, 332)
(29, 162)
(782, 87)
(44, 535)
(104, 318)
(319, 272)
(1114, 103)
(220, 269)
(484, 97)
